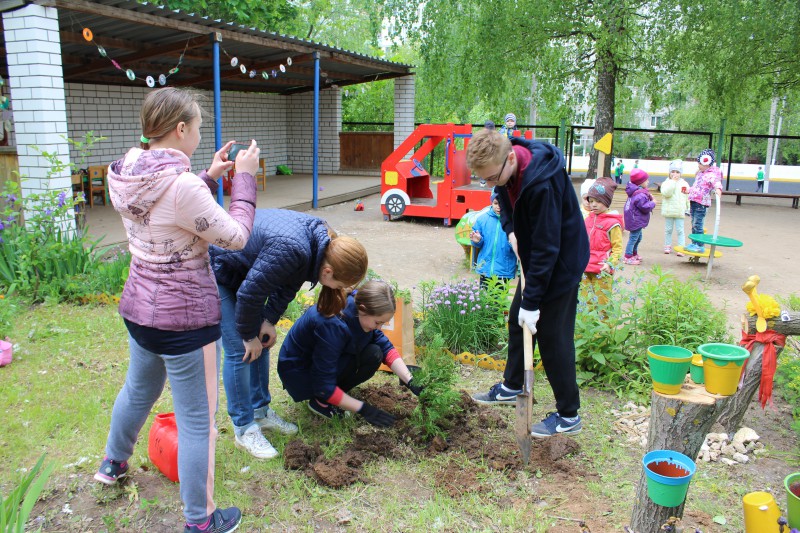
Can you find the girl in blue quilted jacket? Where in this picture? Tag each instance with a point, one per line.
(323, 356)
(256, 284)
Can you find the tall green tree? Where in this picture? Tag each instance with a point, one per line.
(578, 50)
(269, 15)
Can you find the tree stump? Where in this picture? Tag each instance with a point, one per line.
(678, 422)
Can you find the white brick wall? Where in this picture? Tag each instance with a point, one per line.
(404, 95)
(35, 80)
(281, 125)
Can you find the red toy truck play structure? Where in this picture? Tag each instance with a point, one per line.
(406, 187)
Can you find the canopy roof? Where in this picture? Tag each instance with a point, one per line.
(150, 41)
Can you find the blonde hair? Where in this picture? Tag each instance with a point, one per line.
(487, 147)
(163, 109)
(348, 259)
(376, 298)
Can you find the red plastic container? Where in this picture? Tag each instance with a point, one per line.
(163, 445)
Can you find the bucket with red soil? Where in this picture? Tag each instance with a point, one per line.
(668, 475)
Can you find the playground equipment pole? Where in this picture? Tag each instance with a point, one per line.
(315, 170)
(216, 37)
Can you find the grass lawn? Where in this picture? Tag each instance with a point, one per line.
(56, 397)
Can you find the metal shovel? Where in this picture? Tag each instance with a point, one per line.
(522, 422)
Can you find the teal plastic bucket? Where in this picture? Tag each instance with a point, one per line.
(722, 367)
(668, 476)
(668, 367)
(792, 500)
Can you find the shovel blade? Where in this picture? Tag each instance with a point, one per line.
(522, 425)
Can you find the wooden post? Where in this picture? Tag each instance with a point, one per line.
(678, 422)
(400, 331)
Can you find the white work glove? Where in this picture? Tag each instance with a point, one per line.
(528, 318)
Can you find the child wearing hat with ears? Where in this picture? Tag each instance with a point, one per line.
(509, 126)
(708, 178)
(638, 207)
(605, 238)
(674, 203)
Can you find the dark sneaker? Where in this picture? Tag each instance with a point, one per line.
(329, 411)
(555, 424)
(498, 394)
(220, 521)
(111, 471)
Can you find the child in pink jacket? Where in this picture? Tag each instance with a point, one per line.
(708, 178)
(170, 303)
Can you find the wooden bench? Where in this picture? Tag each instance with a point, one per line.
(738, 194)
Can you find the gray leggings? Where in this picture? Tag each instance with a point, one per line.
(194, 378)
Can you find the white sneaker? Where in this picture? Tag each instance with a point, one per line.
(275, 423)
(255, 444)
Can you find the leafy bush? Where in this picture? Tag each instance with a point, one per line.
(611, 338)
(787, 381)
(15, 509)
(439, 401)
(8, 308)
(43, 257)
(465, 316)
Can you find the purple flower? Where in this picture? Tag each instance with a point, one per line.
(62, 198)
(2, 226)
(10, 218)
(11, 198)
(48, 212)
(462, 312)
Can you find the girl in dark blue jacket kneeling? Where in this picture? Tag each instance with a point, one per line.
(323, 357)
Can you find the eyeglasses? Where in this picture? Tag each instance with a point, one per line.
(496, 177)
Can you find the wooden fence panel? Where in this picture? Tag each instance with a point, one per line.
(364, 150)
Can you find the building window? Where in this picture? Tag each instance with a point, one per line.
(655, 121)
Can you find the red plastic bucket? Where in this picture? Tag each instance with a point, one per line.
(163, 445)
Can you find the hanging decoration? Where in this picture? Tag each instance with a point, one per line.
(149, 80)
(161, 79)
(254, 73)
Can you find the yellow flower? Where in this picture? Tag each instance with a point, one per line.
(769, 306)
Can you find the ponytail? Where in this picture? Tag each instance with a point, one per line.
(347, 258)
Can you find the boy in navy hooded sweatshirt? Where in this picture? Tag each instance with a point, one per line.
(541, 215)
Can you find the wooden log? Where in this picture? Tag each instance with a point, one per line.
(733, 413)
(789, 327)
(678, 422)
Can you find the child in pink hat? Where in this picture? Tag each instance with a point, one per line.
(637, 213)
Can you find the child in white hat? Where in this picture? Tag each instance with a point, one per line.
(674, 204)
(509, 126)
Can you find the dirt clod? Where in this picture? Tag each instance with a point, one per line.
(340, 471)
(297, 455)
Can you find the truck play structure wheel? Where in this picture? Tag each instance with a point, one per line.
(395, 205)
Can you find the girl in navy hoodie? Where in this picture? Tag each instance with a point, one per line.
(325, 356)
(637, 213)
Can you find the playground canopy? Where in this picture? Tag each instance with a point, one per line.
(150, 39)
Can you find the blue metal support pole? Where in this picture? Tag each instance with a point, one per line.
(315, 170)
(216, 38)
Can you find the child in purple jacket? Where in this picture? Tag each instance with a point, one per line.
(637, 213)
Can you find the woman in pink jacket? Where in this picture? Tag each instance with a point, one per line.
(170, 303)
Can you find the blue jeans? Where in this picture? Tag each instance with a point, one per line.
(194, 379)
(698, 212)
(633, 242)
(246, 384)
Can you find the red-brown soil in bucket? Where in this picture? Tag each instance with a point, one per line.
(667, 469)
(795, 488)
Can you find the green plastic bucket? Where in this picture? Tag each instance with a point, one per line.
(792, 500)
(722, 366)
(696, 370)
(668, 367)
(668, 476)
